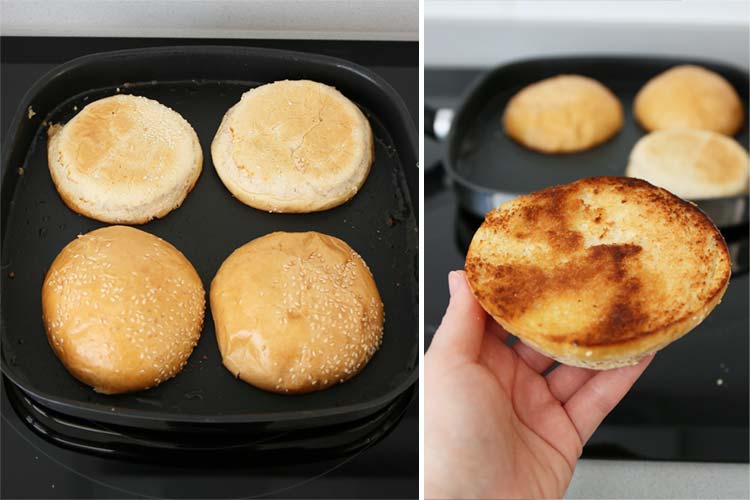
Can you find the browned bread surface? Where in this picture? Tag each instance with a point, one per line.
(599, 272)
(122, 308)
(689, 96)
(296, 312)
(563, 114)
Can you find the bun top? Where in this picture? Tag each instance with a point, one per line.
(293, 146)
(689, 97)
(693, 164)
(296, 312)
(601, 264)
(122, 154)
(565, 113)
(123, 309)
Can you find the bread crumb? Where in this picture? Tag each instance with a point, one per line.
(21, 171)
(30, 112)
(719, 381)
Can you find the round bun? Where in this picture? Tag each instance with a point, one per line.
(563, 114)
(123, 309)
(693, 164)
(689, 97)
(598, 273)
(293, 146)
(124, 159)
(296, 312)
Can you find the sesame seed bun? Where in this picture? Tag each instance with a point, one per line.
(600, 272)
(293, 146)
(563, 114)
(123, 309)
(296, 312)
(124, 160)
(689, 97)
(693, 164)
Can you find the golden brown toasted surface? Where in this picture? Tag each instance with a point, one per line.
(296, 312)
(293, 146)
(122, 308)
(124, 159)
(689, 96)
(563, 114)
(693, 164)
(597, 269)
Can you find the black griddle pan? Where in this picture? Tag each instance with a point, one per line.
(243, 446)
(487, 167)
(201, 83)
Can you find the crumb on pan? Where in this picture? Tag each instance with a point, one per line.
(30, 112)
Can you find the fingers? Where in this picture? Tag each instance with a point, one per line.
(536, 361)
(599, 395)
(494, 328)
(461, 331)
(564, 381)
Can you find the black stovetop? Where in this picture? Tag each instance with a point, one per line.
(34, 468)
(692, 402)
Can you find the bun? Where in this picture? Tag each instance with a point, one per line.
(124, 159)
(296, 312)
(693, 164)
(598, 273)
(293, 146)
(563, 114)
(122, 308)
(689, 97)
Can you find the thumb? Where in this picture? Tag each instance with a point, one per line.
(462, 329)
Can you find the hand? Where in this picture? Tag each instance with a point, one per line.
(494, 426)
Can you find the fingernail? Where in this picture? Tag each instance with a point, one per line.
(453, 278)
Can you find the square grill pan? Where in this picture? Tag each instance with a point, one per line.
(202, 83)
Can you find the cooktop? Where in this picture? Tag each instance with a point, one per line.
(692, 402)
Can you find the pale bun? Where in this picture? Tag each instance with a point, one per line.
(293, 146)
(122, 308)
(693, 164)
(600, 272)
(563, 114)
(296, 312)
(689, 97)
(124, 160)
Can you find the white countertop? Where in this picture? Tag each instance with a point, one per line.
(634, 479)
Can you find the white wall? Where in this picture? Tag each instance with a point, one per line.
(303, 19)
(485, 33)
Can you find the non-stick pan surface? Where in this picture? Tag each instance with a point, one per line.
(482, 158)
(201, 83)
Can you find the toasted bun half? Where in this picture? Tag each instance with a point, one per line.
(123, 309)
(124, 159)
(693, 164)
(293, 146)
(689, 97)
(563, 114)
(296, 312)
(598, 273)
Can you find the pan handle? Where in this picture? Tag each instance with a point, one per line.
(437, 122)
